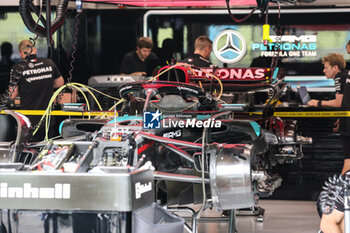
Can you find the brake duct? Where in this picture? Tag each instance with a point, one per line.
(230, 176)
(24, 10)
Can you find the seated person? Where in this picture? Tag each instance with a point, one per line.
(140, 62)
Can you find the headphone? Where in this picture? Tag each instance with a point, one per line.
(26, 53)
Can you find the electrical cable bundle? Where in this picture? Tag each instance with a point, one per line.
(234, 18)
(76, 86)
(5, 98)
(333, 192)
(79, 87)
(74, 45)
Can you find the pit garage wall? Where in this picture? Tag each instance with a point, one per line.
(110, 34)
(329, 28)
(303, 179)
(103, 38)
(106, 35)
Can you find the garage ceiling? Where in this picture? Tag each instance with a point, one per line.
(222, 3)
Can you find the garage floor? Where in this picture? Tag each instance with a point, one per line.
(280, 217)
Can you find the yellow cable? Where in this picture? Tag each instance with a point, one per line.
(53, 138)
(58, 91)
(100, 92)
(114, 106)
(82, 92)
(164, 71)
(47, 126)
(82, 85)
(47, 113)
(78, 86)
(192, 70)
(47, 109)
(85, 97)
(219, 81)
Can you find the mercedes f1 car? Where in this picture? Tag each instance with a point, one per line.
(198, 149)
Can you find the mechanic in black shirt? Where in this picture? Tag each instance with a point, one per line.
(334, 67)
(142, 61)
(202, 49)
(38, 78)
(344, 125)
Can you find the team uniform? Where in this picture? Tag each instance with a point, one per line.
(198, 60)
(131, 63)
(339, 81)
(35, 85)
(344, 123)
(342, 86)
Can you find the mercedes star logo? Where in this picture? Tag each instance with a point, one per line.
(229, 46)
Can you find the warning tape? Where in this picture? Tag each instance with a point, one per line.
(62, 113)
(111, 113)
(313, 114)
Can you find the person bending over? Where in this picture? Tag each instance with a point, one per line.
(203, 46)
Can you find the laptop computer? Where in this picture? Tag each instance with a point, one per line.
(304, 95)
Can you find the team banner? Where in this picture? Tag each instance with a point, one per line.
(288, 46)
(239, 74)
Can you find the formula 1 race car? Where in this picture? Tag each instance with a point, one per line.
(199, 151)
(179, 124)
(188, 138)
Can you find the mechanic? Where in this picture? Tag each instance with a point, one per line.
(142, 61)
(202, 49)
(344, 125)
(334, 67)
(334, 222)
(347, 47)
(37, 79)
